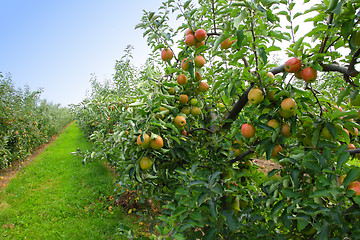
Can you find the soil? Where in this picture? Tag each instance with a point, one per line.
(266, 166)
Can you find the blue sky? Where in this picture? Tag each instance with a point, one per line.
(56, 45)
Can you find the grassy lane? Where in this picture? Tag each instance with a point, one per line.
(56, 197)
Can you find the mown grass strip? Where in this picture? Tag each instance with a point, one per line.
(56, 197)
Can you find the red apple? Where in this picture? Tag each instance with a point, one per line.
(355, 186)
(203, 86)
(199, 61)
(270, 75)
(309, 74)
(351, 146)
(198, 76)
(190, 40)
(298, 75)
(183, 98)
(200, 35)
(293, 65)
(288, 105)
(255, 96)
(182, 79)
(166, 54)
(198, 44)
(275, 151)
(286, 130)
(227, 43)
(185, 64)
(248, 130)
(189, 31)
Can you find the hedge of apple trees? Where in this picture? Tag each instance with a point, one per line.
(238, 81)
(26, 121)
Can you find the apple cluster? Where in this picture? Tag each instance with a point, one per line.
(294, 65)
(190, 85)
(145, 141)
(286, 110)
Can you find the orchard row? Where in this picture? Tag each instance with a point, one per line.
(26, 121)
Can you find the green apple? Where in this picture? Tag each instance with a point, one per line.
(194, 102)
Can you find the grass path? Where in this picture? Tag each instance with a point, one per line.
(56, 197)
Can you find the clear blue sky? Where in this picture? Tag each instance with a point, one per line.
(56, 45)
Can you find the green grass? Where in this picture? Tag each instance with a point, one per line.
(56, 197)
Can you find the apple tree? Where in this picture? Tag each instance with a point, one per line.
(238, 81)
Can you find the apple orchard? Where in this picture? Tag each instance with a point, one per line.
(185, 130)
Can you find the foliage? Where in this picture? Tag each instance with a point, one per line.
(26, 121)
(203, 176)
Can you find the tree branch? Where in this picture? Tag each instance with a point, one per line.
(326, 38)
(278, 69)
(317, 99)
(340, 69)
(351, 68)
(198, 129)
(239, 105)
(213, 12)
(353, 151)
(241, 156)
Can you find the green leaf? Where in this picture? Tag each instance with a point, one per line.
(325, 231)
(264, 126)
(297, 45)
(297, 15)
(179, 210)
(338, 7)
(231, 220)
(331, 127)
(140, 25)
(213, 177)
(276, 209)
(288, 192)
(346, 28)
(295, 178)
(296, 28)
(151, 14)
(342, 94)
(301, 223)
(316, 135)
(196, 183)
(186, 4)
(218, 41)
(351, 175)
(212, 209)
(240, 37)
(196, 215)
(273, 172)
(262, 53)
(320, 193)
(240, 18)
(342, 158)
(273, 48)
